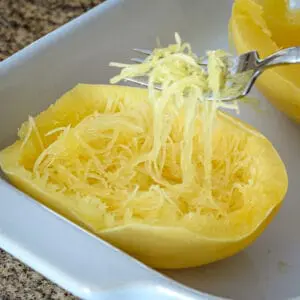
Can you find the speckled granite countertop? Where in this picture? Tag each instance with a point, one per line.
(22, 22)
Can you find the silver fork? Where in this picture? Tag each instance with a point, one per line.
(249, 61)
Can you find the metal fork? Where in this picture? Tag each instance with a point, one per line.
(249, 61)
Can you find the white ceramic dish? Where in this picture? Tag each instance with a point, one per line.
(76, 260)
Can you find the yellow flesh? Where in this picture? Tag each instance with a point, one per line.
(268, 26)
(86, 157)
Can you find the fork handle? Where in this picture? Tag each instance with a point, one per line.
(285, 56)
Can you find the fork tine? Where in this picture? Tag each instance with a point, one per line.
(142, 51)
(141, 60)
(137, 60)
(141, 81)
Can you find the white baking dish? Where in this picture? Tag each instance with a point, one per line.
(82, 263)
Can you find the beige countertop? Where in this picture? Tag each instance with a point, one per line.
(22, 22)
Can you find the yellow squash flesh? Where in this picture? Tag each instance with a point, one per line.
(268, 26)
(160, 244)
